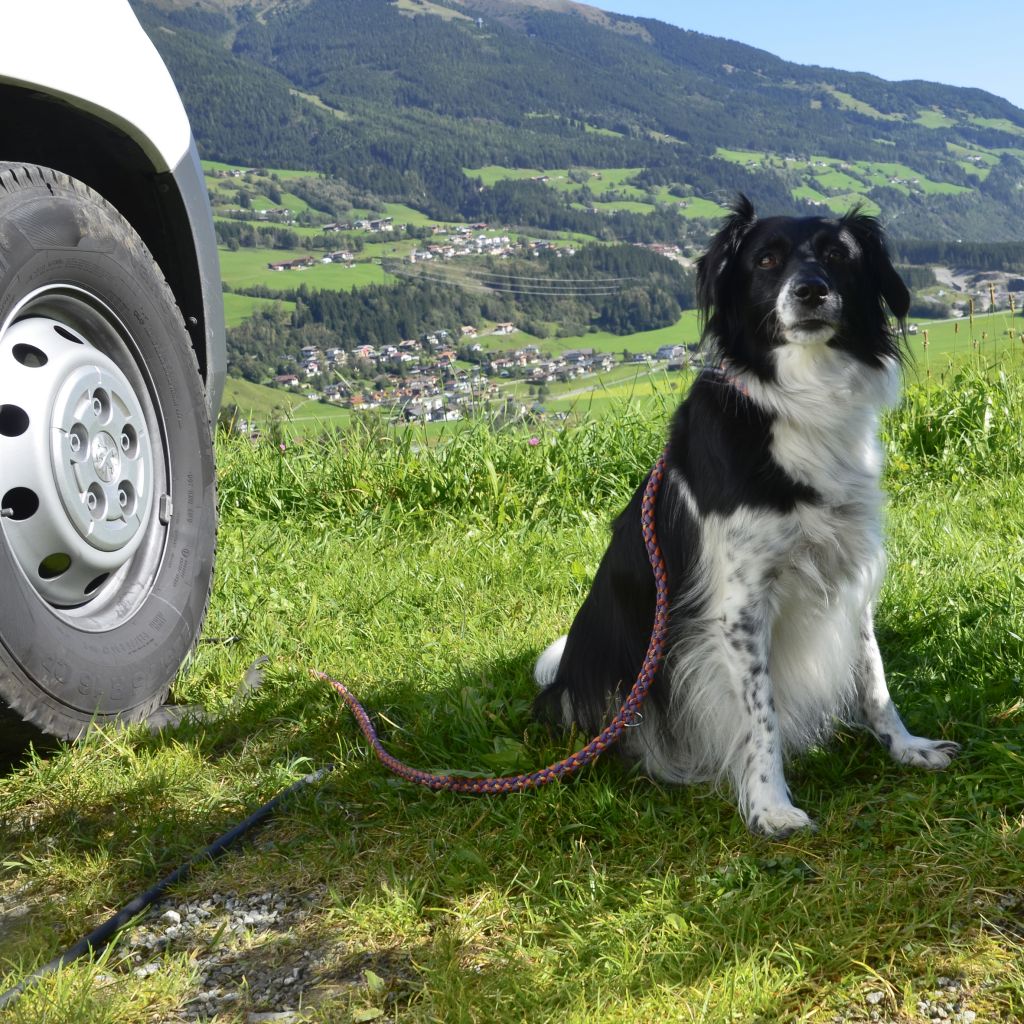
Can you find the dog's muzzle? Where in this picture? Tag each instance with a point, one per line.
(808, 310)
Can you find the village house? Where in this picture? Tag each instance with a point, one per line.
(297, 264)
(336, 392)
(374, 224)
(670, 352)
(577, 356)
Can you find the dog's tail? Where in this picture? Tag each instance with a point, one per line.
(547, 664)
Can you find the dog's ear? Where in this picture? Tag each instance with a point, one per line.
(871, 239)
(722, 249)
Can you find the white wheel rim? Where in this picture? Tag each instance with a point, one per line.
(78, 469)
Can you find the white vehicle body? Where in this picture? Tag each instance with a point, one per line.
(70, 67)
(133, 91)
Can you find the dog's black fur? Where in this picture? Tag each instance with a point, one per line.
(769, 522)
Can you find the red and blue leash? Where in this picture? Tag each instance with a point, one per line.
(626, 718)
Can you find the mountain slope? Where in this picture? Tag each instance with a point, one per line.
(399, 97)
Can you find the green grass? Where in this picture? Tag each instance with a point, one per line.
(999, 123)
(837, 181)
(852, 178)
(848, 102)
(934, 119)
(289, 413)
(741, 156)
(429, 577)
(684, 331)
(984, 340)
(246, 267)
(598, 180)
(282, 173)
(407, 215)
(240, 307)
(259, 403)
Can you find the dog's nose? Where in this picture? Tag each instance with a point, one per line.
(812, 291)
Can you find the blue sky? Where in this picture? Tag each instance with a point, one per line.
(958, 43)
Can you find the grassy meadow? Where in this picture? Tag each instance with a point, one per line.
(429, 577)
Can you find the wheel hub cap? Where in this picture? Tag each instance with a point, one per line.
(76, 458)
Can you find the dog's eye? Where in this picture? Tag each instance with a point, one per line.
(836, 255)
(768, 261)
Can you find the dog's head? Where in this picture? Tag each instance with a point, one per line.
(804, 281)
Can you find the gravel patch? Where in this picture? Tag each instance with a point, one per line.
(243, 947)
(947, 1001)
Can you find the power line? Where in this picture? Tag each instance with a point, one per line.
(538, 286)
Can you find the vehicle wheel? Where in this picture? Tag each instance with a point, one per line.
(107, 485)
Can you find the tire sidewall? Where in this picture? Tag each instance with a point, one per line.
(76, 674)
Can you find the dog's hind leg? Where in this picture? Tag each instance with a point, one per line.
(879, 713)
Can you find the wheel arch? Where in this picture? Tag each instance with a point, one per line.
(168, 209)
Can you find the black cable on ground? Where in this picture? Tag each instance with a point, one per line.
(99, 937)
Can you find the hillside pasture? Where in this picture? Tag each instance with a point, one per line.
(259, 404)
(990, 339)
(852, 178)
(246, 267)
(631, 198)
(240, 307)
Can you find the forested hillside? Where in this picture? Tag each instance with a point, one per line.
(402, 98)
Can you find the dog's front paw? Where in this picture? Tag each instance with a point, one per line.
(779, 822)
(923, 753)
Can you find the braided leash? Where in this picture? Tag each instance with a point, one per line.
(626, 718)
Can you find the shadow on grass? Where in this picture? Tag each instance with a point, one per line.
(18, 740)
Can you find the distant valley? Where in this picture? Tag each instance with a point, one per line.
(384, 170)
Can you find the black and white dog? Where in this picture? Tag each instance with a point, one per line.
(769, 519)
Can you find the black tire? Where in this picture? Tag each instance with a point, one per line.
(134, 509)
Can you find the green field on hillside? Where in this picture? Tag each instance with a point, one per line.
(985, 340)
(240, 307)
(283, 173)
(260, 403)
(606, 179)
(246, 267)
(852, 178)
